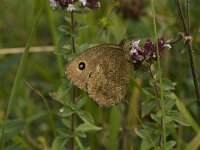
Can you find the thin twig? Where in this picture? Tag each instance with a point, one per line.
(188, 17)
(180, 12)
(189, 47)
(157, 95)
(151, 77)
(73, 120)
(35, 49)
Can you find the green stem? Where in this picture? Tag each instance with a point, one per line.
(20, 70)
(160, 81)
(73, 121)
(79, 143)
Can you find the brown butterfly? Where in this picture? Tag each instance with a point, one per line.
(103, 71)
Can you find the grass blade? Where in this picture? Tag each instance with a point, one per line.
(195, 143)
(19, 74)
(186, 113)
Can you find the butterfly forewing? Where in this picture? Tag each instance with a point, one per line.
(102, 71)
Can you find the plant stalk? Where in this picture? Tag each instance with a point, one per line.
(73, 119)
(157, 95)
(160, 82)
(186, 28)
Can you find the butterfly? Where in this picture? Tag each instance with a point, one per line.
(102, 71)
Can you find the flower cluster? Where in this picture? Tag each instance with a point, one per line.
(69, 4)
(148, 53)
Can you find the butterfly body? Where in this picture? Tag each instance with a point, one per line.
(102, 71)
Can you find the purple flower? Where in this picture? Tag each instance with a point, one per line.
(64, 3)
(53, 4)
(69, 4)
(70, 7)
(148, 53)
(161, 43)
(149, 45)
(84, 2)
(93, 4)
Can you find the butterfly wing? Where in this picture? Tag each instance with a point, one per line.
(90, 58)
(107, 84)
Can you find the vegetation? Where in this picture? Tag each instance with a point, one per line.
(41, 109)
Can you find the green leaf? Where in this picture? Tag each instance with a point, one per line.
(149, 92)
(177, 117)
(170, 145)
(151, 126)
(82, 47)
(82, 134)
(186, 113)
(172, 124)
(146, 143)
(66, 122)
(65, 132)
(85, 127)
(147, 137)
(59, 142)
(64, 29)
(140, 132)
(85, 116)
(12, 127)
(63, 93)
(153, 82)
(156, 117)
(82, 26)
(168, 85)
(67, 112)
(82, 10)
(169, 103)
(81, 102)
(67, 19)
(74, 34)
(141, 73)
(147, 106)
(63, 40)
(70, 56)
